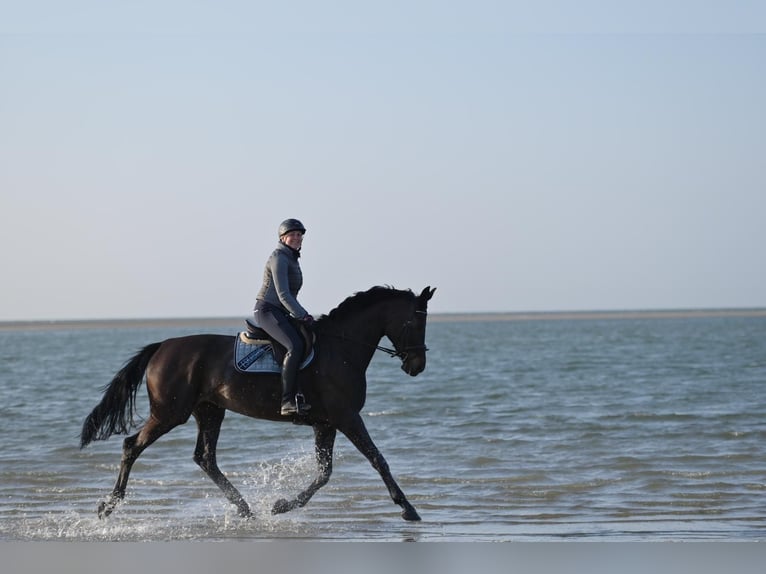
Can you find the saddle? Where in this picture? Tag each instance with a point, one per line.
(256, 352)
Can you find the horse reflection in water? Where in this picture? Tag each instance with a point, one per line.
(195, 376)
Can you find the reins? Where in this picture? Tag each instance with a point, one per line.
(400, 353)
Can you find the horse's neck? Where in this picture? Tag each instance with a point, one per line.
(364, 326)
(361, 333)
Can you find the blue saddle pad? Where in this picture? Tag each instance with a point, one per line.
(259, 357)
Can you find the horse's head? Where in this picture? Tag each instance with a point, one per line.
(407, 331)
(362, 319)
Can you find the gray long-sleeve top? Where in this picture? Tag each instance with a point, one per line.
(282, 279)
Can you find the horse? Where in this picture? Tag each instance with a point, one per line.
(195, 376)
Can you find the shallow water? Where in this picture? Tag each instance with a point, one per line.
(586, 429)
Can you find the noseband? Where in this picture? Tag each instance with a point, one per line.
(403, 352)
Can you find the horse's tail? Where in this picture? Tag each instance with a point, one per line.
(114, 414)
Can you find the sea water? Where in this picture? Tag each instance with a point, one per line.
(639, 428)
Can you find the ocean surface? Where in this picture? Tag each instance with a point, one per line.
(643, 428)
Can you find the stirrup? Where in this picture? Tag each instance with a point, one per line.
(299, 407)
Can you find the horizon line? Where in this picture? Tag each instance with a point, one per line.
(449, 316)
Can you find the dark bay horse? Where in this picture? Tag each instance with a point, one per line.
(195, 376)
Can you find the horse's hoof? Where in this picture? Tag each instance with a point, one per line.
(280, 506)
(410, 514)
(245, 512)
(105, 509)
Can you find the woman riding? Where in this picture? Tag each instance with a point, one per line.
(277, 301)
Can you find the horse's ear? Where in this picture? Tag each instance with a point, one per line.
(427, 293)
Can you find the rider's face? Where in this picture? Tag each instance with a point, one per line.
(293, 239)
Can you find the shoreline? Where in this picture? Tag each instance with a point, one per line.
(237, 322)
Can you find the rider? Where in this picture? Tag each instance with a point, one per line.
(276, 302)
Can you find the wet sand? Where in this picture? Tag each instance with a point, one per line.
(237, 322)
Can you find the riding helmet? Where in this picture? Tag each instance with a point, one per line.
(289, 225)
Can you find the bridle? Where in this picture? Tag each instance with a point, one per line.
(404, 352)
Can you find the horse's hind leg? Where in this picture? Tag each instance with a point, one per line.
(358, 435)
(132, 447)
(324, 440)
(209, 418)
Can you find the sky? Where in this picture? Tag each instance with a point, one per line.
(564, 156)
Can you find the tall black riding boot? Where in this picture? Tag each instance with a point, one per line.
(290, 385)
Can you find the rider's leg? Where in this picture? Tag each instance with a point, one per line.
(278, 326)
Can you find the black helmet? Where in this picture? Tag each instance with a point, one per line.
(289, 225)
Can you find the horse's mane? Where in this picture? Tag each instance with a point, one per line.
(364, 299)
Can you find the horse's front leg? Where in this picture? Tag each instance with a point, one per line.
(358, 435)
(324, 440)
